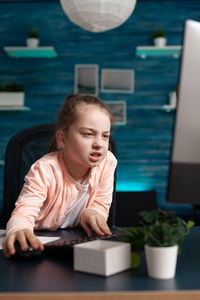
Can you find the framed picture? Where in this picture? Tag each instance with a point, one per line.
(86, 79)
(118, 111)
(117, 80)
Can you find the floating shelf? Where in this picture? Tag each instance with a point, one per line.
(168, 108)
(143, 52)
(26, 52)
(14, 108)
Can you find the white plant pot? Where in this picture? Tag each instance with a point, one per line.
(160, 42)
(32, 42)
(12, 98)
(161, 261)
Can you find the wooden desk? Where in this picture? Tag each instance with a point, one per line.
(53, 278)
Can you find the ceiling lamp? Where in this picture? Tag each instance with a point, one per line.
(98, 15)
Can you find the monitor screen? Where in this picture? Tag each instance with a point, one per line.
(184, 173)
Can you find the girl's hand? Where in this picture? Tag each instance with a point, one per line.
(24, 237)
(91, 221)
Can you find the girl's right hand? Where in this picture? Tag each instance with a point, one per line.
(24, 237)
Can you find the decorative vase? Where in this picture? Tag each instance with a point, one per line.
(32, 42)
(161, 261)
(160, 42)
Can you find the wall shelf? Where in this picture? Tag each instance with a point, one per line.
(26, 52)
(168, 108)
(14, 108)
(143, 52)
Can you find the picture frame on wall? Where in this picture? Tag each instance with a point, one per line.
(86, 79)
(117, 81)
(118, 110)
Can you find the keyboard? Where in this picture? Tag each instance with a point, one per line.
(65, 243)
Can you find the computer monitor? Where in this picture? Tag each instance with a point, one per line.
(184, 173)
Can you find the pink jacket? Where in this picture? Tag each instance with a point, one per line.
(48, 190)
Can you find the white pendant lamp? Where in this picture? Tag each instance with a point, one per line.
(98, 15)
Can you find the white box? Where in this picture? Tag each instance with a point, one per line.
(102, 257)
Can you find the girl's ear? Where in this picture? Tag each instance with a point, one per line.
(61, 139)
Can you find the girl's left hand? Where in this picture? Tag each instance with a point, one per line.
(91, 221)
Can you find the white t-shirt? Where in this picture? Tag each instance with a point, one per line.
(76, 205)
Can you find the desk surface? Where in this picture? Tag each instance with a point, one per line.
(55, 274)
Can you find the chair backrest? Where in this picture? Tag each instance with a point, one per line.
(22, 151)
(129, 204)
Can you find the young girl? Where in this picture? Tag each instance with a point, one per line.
(73, 184)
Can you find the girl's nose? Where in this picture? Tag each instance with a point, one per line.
(97, 143)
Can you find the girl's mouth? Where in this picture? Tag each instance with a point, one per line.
(95, 156)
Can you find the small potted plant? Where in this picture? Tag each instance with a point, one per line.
(33, 40)
(159, 238)
(11, 94)
(159, 38)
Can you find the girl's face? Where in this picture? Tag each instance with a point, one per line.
(86, 142)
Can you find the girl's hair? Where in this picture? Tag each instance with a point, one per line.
(68, 113)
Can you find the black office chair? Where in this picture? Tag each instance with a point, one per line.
(22, 151)
(129, 204)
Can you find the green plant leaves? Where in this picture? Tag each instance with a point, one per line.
(162, 235)
(12, 87)
(158, 33)
(135, 237)
(135, 259)
(163, 228)
(34, 33)
(159, 228)
(190, 224)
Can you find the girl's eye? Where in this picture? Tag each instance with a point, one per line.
(87, 133)
(106, 136)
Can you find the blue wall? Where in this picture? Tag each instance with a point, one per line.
(144, 143)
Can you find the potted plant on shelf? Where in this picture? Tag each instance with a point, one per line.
(11, 94)
(33, 40)
(159, 238)
(159, 38)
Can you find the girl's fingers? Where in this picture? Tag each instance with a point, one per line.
(5, 249)
(8, 245)
(92, 221)
(21, 238)
(33, 241)
(25, 238)
(87, 229)
(96, 228)
(104, 227)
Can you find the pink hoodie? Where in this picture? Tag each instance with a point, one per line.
(48, 190)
